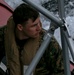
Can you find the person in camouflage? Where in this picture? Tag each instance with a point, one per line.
(23, 36)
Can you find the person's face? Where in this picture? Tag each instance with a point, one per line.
(32, 29)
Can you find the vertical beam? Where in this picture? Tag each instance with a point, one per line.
(64, 43)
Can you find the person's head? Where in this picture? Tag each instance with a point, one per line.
(27, 20)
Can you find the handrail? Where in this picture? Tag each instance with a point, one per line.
(61, 23)
(63, 40)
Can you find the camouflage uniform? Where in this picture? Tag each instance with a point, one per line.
(51, 62)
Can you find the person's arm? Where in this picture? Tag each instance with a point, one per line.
(54, 58)
(71, 63)
(57, 58)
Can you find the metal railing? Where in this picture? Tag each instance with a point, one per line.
(65, 37)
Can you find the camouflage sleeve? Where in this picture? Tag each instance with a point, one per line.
(2, 50)
(51, 62)
(54, 59)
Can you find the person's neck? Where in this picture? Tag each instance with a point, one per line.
(20, 35)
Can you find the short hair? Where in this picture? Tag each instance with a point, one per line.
(23, 13)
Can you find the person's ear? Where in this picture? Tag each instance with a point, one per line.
(20, 27)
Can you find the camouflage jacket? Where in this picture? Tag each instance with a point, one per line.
(51, 62)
